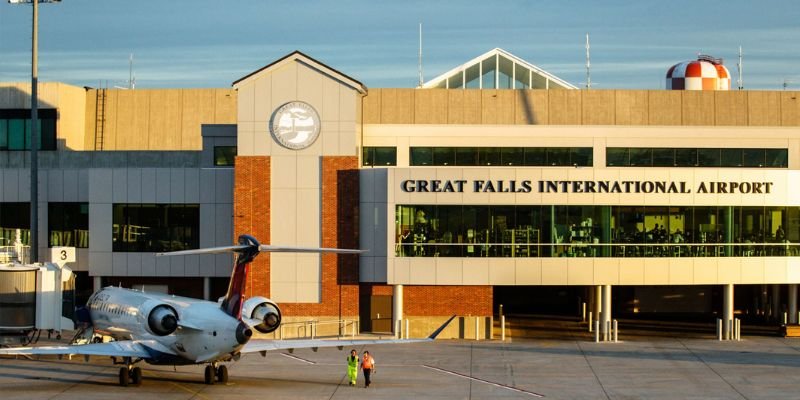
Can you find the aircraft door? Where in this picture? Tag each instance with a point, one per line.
(380, 313)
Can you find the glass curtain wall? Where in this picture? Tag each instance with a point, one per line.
(595, 231)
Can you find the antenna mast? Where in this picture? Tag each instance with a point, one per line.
(588, 65)
(131, 79)
(420, 56)
(740, 82)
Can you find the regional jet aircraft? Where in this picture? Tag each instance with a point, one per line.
(171, 330)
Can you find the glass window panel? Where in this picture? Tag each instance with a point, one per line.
(663, 157)
(521, 77)
(753, 157)
(16, 134)
(641, 157)
(155, 227)
(455, 81)
(685, 157)
(68, 224)
(466, 156)
(581, 156)
(535, 156)
(775, 158)
(708, 157)
(617, 157)
(14, 217)
(367, 156)
(385, 155)
(3, 134)
(421, 156)
(558, 156)
(512, 156)
(489, 156)
(473, 77)
(48, 132)
(506, 73)
(224, 156)
(731, 157)
(444, 156)
(489, 70)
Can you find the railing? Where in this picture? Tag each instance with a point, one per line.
(18, 253)
(548, 250)
(304, 329)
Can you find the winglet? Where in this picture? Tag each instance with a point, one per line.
(441, 328)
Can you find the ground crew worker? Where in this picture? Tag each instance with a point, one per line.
(368, 365)
(352, 367)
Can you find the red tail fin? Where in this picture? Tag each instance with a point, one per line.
(234, 299)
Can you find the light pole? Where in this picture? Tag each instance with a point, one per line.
(34, 237)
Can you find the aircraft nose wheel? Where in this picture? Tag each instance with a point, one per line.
(128, 376)
(216, 374)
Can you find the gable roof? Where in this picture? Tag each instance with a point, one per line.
(298, 56)
(442, 80)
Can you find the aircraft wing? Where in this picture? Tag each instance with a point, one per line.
(124, 348)
(264, 345)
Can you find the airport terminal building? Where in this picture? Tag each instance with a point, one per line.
(495, 183)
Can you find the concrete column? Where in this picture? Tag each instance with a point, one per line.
(793, 303)
(764, 297)
(207, 288)
(597, 302)
(397, 310)
(97, 282)
(728, 215)
(776, 303)
(727, 312)
(605, 236)
(606, 313)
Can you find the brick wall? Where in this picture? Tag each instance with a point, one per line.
(251, 208)
(424, 301)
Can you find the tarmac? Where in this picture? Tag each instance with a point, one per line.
(570, 368)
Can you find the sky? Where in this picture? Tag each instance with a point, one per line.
(211, 43)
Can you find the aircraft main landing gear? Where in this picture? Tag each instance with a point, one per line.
(214, 373)
(129, 374)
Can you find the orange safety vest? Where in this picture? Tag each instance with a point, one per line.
(367, 363)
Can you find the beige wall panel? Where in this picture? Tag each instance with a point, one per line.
(730, 107)
(90, 118)
(132, 119)
(197, 109)
(284, 85)
(430, 106)
(225, 106)
(763, 108)
(664, 107)
(564, 107)
(530, 107)
(397, 106)
(698, 107)
(165, 120)
(246, 96)
(598, 107)
(455, 106)
(790, 108)
(310, 88)
(371, 107)
(332, 96)
(472, 106)
(72, 118)
(498, 107)
(631, 107)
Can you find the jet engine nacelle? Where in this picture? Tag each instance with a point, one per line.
(264, 310)
(162, 319)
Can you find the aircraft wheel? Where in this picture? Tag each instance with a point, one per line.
(222, 374)
(124, 376)
(136, 376)
(209, 375)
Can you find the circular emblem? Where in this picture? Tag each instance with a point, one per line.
(295, 125)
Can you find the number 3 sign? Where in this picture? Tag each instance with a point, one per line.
(62, 255)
